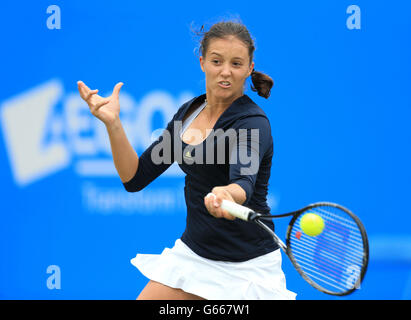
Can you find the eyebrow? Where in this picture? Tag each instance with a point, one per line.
(213, 52)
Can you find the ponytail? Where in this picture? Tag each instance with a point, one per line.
(262, 83)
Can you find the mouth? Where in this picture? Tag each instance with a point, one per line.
(224, 84)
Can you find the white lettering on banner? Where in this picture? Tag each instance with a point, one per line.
(79, 127)
(24, 122)
(147, 201)
(155, 101)
(30, 118)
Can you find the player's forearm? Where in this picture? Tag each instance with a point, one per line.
(124, 156)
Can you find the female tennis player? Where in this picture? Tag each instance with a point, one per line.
(217, 256)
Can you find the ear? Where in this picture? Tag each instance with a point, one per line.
(251, 68)
(202, 63)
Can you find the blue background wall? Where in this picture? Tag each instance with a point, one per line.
(340, 112)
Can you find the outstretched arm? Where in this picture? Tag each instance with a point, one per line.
(108, 110)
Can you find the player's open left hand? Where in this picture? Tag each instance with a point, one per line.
(213, 201)
(105, 109)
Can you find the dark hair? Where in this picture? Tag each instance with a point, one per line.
(261, 83)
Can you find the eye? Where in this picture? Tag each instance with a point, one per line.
(237, 64)
(215, 61)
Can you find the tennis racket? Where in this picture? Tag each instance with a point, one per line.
(334, 261)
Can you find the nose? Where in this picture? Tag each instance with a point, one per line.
(226, 70)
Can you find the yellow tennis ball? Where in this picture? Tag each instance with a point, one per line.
(312, 224)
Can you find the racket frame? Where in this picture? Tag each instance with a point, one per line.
(258, 218)
(364, 237)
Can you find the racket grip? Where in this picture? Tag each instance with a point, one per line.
(236, 210)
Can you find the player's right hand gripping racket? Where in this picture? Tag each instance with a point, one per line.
(334, 261)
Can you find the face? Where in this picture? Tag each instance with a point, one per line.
(226, 66)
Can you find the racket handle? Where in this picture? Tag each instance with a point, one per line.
(236, 210)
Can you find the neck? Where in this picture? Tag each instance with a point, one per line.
(219, 105)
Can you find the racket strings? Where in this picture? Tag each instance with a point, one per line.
(327, 264)
(327, 258)
(334, 258)
(311, 242)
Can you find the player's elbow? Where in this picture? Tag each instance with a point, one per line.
(133, 188)
(134, 185)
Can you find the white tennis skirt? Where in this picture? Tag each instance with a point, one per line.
(260, 278)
